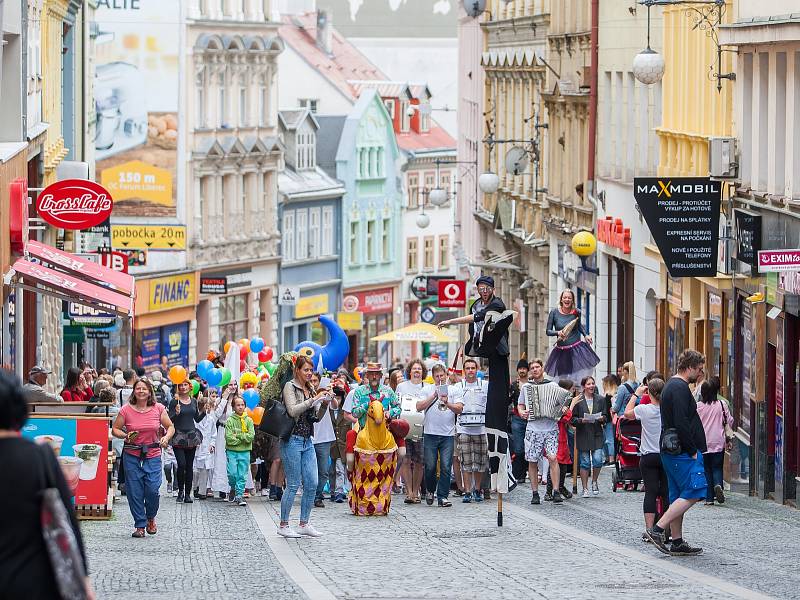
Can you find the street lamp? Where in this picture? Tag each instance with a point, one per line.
(488, 182)
(423, 220)
(648, 65)
(437, 196)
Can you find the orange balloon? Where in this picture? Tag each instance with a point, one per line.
(256, 414)
(357, 374)
(245, 343)
(227, 347)
(177, 374)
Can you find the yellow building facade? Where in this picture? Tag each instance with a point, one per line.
(695, 311)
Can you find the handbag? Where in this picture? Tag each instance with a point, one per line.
(670, 442)
(59, 539)
(729, 434)
(276, 421)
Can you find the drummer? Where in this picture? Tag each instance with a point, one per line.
(414, 463)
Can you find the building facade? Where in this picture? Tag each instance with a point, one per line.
(310, 213)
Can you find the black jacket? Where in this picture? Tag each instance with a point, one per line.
(679, 412)
(589, 436)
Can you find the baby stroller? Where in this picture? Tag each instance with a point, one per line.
(626, 469)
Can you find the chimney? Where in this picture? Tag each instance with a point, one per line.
(324, 31)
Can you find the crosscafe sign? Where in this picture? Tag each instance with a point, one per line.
(74, 204)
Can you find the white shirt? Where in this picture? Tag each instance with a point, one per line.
(348, 401)
(323, 429)
(439, 420)
(650, 417)
(418, 390)
(473, 397)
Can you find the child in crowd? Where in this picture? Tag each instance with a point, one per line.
(239, 434)
(204, 457)
(170, 464)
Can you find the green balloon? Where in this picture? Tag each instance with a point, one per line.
(226, 376)
(271, 368)
(195, 387)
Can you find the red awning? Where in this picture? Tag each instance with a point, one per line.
(41, 279)
(80, 267)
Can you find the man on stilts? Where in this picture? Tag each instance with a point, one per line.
(488, 338)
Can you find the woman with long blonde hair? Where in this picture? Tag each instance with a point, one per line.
(572, 356)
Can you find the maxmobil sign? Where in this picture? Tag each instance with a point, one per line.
(452, 293)
(74, 204)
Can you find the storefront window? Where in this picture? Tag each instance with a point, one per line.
(676, 338)
(232, 318)
(714, 358)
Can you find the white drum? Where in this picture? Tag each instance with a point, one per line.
(408, 406)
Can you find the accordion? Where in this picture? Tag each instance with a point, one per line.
(545, 400)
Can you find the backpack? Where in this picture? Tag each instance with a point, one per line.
(161, 396)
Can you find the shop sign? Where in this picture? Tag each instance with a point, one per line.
(427, 315)
(94, 239)
(167, 293)
(213, 285)
(311, 306)
(136, 258)
(675, 291)
(86, 315)
(288, 295)
(419, 287)
(74, 204)
(116, 261)
(370, 302)
(97, 334)
(18, 214)
(613, 233)
(683, 216)
(350, 321)
(452, 293)
(772, 261)
(152, 237)
(748, 235)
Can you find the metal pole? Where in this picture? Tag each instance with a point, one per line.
(18, 352)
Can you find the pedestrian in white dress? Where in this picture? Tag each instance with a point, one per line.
(219, 479)
(204, 457)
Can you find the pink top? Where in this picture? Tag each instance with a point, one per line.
(711, 417)
(146, 423)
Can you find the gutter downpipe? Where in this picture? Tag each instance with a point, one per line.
(590, 176)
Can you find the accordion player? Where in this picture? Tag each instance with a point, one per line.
(544, 400)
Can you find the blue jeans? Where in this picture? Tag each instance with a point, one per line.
(323, 452)
(238, 464)
(597, 458)
(608, 429)
(141, 486)
(438, 448)
(519, 466)
(712, 463)
(299, 464)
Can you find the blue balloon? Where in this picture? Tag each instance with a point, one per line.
(480, 375)
(204, 367)
(214, 377)
(251, 398)
(257, 344)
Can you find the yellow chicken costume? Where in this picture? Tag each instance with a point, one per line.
(375, 464)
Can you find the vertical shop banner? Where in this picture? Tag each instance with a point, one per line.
(136, 100)
(683, 216)
(83, 438)
(175, 344)
(151, 349)
(779, 397)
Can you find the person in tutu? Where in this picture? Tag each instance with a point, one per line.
(572, 357)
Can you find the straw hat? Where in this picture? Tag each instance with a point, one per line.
(374, 367)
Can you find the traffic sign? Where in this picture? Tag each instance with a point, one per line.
(152, 237)
(452, 293)
(427, 315)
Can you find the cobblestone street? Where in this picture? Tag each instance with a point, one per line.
(583, 549)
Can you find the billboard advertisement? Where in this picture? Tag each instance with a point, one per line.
(136, 103)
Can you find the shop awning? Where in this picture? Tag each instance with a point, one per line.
(417, 332)
(47, 270)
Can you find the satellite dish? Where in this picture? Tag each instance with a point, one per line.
(474, 8)
(516, 160)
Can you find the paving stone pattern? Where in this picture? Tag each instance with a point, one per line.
(208, 549)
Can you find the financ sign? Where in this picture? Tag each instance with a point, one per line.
(74, 204)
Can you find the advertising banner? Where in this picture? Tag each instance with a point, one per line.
(175, 344)
(151, 349)
(83, 438)
(683, 216)
(136, 99)
(748, 235)
(213, 285)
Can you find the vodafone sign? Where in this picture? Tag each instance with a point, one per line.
(452, 293)
(74, 204)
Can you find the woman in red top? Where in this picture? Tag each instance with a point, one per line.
(75, 388)
(139, 423)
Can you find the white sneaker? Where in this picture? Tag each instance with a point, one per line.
(585, 493)
(287, 532)
(595, 490)
(308, 530)
(265, 492)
